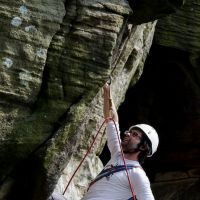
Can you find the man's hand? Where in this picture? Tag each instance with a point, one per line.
(106, 91)
(109, 107)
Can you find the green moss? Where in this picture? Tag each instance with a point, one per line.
(75, 117)
(32, 131)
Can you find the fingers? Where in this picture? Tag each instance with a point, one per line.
(106, 87)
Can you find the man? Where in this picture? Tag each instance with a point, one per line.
(139, 142)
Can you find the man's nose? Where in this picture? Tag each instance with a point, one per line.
(127, 133)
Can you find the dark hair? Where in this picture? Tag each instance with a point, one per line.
(144, 142)
(144, 153)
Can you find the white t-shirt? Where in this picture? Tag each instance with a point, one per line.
(117, 186)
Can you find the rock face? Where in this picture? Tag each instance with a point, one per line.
(55, 57)
(145, 10)
(186, 22)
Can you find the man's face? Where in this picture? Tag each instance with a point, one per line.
(131, 140)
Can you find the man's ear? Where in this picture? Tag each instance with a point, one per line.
(143, 147)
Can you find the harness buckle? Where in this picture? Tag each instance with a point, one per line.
(111, 172)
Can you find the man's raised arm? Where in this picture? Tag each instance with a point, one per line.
(109, 108)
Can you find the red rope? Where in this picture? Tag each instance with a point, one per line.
(88, 151)
(129, 181)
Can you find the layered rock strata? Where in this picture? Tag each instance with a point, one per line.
(55, 58)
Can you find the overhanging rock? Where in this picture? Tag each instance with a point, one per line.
(145, 10)
(55, 59)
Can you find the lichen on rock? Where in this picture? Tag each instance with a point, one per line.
(55, 57)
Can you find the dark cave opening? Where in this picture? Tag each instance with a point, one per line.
(161, 98)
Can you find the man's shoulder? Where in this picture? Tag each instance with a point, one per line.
(139, 175)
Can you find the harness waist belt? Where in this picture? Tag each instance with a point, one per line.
(110, 171)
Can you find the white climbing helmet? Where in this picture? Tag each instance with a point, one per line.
(151, 133)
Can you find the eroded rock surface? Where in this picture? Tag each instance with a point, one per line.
(55, 57)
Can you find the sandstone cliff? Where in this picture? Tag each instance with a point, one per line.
(55, 57)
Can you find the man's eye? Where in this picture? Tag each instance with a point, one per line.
(134, 134)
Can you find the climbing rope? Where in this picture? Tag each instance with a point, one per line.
(122, 153)
(89, 149)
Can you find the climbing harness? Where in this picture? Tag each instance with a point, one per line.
(110, 171)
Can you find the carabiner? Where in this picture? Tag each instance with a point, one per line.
(109, 80)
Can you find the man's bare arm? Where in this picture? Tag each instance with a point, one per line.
(109, 108)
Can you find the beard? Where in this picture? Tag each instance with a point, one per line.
(129, 147)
